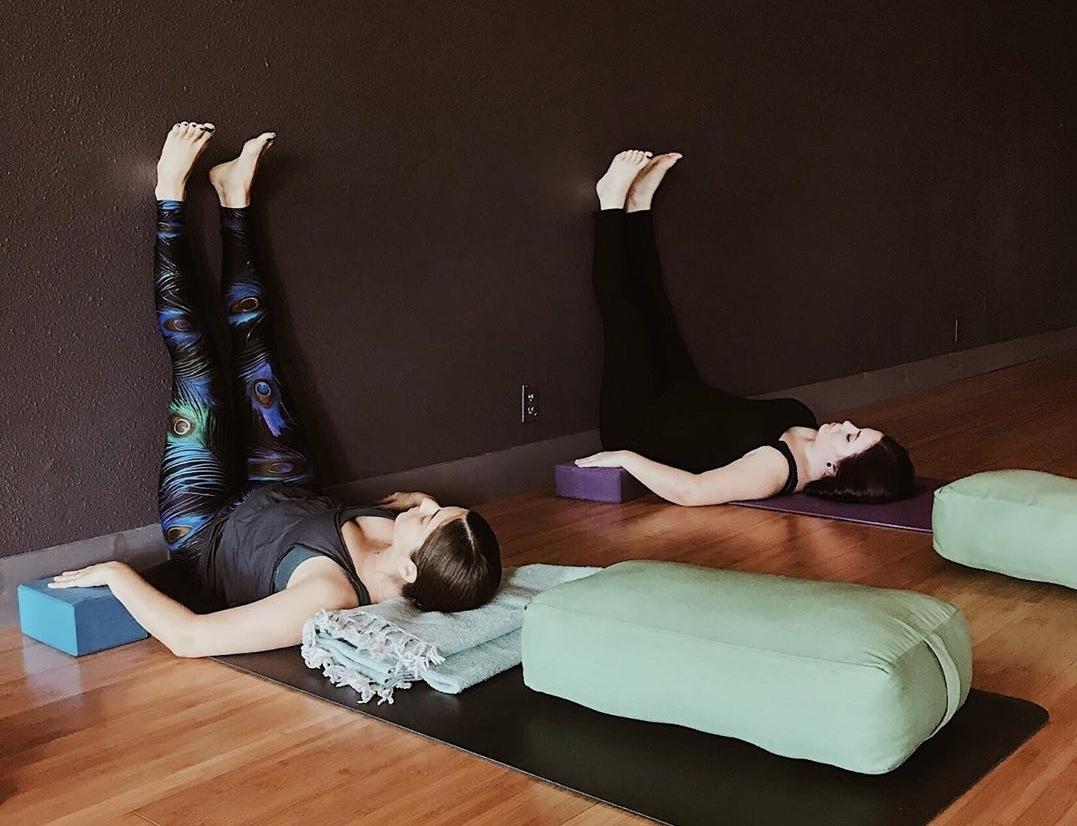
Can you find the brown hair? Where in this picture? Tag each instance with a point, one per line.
(459, 566)
(882, 473)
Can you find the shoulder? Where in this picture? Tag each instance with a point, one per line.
(758, 474)
(322, 574)
(766, 469)
(768, 454)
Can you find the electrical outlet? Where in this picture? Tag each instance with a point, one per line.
(529, 401)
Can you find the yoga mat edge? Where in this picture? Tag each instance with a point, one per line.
(604, 758)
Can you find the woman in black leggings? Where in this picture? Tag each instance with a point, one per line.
(238, 511)
(690, 443)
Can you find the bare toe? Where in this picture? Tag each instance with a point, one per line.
(185, 142)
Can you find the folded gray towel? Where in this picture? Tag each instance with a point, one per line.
(377, 648)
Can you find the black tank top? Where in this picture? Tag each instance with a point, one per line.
(698, 428)
(247, 544)
(793, 478)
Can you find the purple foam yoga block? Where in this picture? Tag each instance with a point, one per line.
(597, 484)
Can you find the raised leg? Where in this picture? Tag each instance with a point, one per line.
(198, 475)
(275, 443)
(677, 365)
(676, 362)
(631, 377)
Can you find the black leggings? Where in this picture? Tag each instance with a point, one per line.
(653, 400)
(213, 457)
(645, 353)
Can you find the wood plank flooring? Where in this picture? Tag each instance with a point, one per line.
(133, 736)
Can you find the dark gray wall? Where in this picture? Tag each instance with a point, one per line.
(855, 177)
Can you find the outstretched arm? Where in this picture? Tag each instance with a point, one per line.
(274, 622)
(756, 475)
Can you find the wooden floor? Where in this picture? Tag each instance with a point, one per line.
(134, 736)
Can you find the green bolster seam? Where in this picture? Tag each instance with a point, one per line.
(783, 654)
(1004, 502)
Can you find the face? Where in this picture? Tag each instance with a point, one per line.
(413, 526)
(837, 441)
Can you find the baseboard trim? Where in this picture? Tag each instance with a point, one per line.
(849, 392)
(138, 547)
(477, 479)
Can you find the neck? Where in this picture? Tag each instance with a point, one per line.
(810, 465)
(366, 544)
(379, 585)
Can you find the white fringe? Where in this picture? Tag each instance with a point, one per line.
(406, 657)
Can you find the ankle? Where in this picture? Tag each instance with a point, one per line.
(169, 191)
(610, 202)
(636, 206)
(234, 199)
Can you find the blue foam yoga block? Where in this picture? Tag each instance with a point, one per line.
(597, 484)
(76, 621)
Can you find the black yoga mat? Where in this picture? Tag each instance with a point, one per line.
(678, 775)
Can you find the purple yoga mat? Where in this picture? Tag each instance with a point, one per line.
(913, 514)
(596, 484)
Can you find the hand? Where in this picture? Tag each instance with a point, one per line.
(607, 458)
(403, 501)
(104, 573)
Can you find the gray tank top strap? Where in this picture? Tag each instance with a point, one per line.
(292, 560)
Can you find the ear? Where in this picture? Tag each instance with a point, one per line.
(407, 571)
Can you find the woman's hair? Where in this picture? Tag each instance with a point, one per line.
(459, 566)
(882, 473)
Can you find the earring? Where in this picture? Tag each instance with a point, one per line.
(828, 464)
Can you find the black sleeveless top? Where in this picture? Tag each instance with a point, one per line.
(793, 478)
(246, 545)
(697, 428)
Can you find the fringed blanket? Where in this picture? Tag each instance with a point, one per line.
(375, 649)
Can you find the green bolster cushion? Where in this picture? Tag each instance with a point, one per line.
(1022, 523)
(844, 674)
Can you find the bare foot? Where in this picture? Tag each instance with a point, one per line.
(183, 145)
(612, 188)
(643, 188)
(233, 180)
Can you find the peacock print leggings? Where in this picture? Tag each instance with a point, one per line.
(227, 432)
